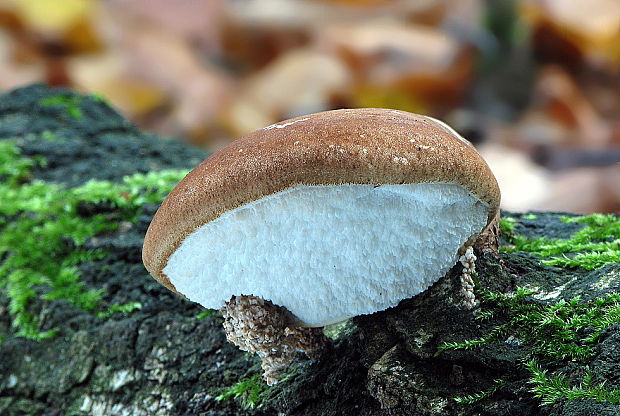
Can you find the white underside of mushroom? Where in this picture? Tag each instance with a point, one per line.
(327, 253)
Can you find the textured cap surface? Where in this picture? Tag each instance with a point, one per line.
(362, 146)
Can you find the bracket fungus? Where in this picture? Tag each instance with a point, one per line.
(319, 218)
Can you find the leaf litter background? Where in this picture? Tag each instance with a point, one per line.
(535, 84)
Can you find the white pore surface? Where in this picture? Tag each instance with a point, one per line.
(327, 253)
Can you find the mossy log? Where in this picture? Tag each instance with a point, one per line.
(86, 331)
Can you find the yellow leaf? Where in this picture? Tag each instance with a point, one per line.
(53, 15)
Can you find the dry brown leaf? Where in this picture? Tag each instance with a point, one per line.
(428, 65)
(523, 183)
(106, 74)
(583, 190)
(592, 27)
(561, 115)
(195, 20)
(15, 73)
(176, 92)
(308, 13)
(300, 82)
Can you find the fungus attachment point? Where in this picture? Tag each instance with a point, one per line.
(324, 217)
(259, 326)
(468, 260)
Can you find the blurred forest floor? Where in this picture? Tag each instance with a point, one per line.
(534, 84)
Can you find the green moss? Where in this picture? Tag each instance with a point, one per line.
(476, 397)
(17, 406)
(595, 245)
(42, 235)
(565, 330)
(562, 330)
(207, 313)
(507, 224)
(335, 331)
(125, 309)
(249, 391)
(550, 389)
(70, 103)
(14, 169)
(530, 216)
(49, 136)
(507, 227)
(100, 98)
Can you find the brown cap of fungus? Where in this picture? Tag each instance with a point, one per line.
(361, 146)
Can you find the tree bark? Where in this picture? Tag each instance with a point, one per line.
(163, 360)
